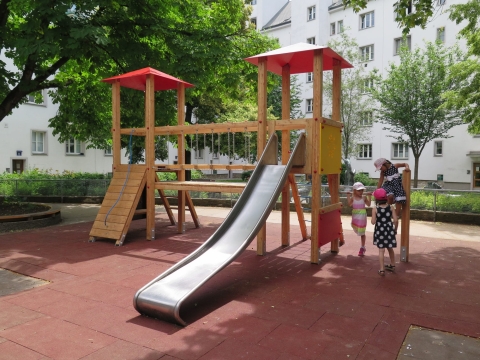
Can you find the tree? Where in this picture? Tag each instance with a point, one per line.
(464, 96)
(410, 97)
(274, 99)
(356, 109)
(409, 13)
(70, 49)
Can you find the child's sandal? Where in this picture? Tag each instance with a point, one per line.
(390, 267)
(381, 272)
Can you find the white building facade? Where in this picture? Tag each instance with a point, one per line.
(28, 143)
(453, 162)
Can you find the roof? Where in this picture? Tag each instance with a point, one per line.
(300, 58)
(282, 17)
(137, 80)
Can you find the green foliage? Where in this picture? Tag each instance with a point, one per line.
(355, 106)
(69, 50)
(448, 202)
(405, 17)
(464, 97)
(411, 99)
(365, 179)
(246, 175)
(38, 174)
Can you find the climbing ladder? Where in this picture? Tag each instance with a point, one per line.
(121, 201)
(119, 204)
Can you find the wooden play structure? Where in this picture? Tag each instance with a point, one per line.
(322, 154)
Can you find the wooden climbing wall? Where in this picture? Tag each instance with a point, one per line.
(120, 202)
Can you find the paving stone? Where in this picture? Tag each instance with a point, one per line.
(428, 344)
(12, 282)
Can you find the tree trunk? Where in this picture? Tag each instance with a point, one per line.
(188, 113)
(415, 171)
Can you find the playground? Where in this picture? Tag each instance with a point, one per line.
(277, 306)
(295, 293)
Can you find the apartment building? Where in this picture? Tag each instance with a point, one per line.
(453, 162)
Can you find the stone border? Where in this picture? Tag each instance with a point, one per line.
(30, 221)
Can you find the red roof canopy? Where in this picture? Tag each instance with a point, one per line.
(137, 80)
(299, 57)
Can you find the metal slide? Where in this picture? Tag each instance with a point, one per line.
(162, 297)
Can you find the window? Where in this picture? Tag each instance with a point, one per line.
(199, 154)
(215, 155)
(309, 105)
(38, 142)
(366, 118)
(74, 147)
(367, 84)
(364, 151)
(311, 13)
(441, 2)
(31, 98)
(108, 151)
(399, 42)
(366, 53)
(309, 77)
(400, 151)
(254, 2)
(367, 20)
(333, 27)
(340, 27)
(441, 34)
(253, 21)
(476, 175)
(311, 40)
(438, 148)
(409, 8)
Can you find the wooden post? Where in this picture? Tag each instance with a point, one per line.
(333, 182)
(405, 221)
(181, 156)
(116, 143)
(262, 136)
(150, 154)
(286, 155)
(316, 148)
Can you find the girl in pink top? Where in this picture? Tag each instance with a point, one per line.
(358, 202)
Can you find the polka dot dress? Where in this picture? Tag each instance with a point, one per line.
(394, 185)
(384, 234)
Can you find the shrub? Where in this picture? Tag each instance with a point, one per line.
(246, 175)
(365, 180)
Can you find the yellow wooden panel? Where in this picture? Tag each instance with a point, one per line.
(331, 150)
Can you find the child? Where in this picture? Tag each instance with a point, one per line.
(392, 183)
(359, 213)
(384, 232)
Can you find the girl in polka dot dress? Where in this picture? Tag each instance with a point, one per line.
(384, 232)
(391, 181)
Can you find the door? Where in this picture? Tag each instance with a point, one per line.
(476, 176)
(17, 166)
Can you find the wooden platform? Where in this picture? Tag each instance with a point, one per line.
(119, 204)
(201, 186)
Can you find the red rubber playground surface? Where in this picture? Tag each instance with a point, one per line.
(278, 306)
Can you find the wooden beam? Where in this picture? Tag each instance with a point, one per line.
(262, 136)
(315, 151)
(116, 143)
(334, 181)
(150, 154)
(218, 128)
(286, 156)
(181, 156)
(405, 221)
(336, 90)
(201, 186)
